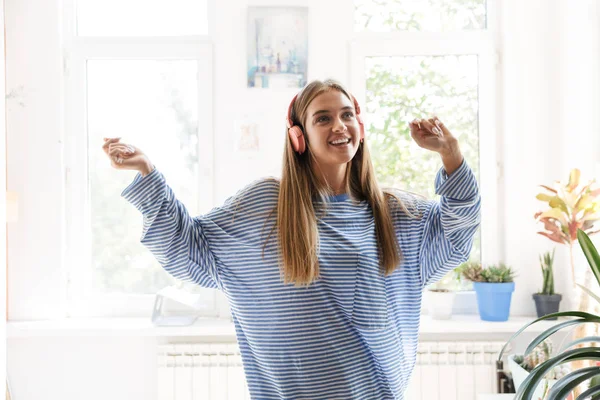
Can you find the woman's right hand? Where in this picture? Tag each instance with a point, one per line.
(126, 156)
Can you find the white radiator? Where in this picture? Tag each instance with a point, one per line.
(444, 370)
(454, 370)
(201, 372)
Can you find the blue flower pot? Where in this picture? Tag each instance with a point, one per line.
(493, 300)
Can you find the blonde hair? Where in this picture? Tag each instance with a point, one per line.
(296, 219)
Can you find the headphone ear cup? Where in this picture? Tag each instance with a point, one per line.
(297, 139)
(362, 127)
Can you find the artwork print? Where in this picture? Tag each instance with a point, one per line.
(277, 47)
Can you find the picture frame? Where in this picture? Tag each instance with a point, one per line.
(277, 47)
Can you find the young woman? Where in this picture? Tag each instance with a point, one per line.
(323, 270)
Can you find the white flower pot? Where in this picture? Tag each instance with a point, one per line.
(519, 374)
(440, 304)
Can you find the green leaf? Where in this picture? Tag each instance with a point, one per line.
(579, 314)
(574, 179)
(548, 332)
(566, 384)
(584, 201)
(590, 253)
(557, 202)
(589, 292)
(594, 382)
(530, 383)
(579, 341)
(545, 197)
(590, 392)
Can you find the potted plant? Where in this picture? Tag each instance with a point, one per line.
(441, 300)
(494, 286)
(572, 207)
(546, 301)
(520, 366)
(571, 351)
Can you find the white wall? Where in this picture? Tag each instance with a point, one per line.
(541, 72)
(548, 59)
(328, 58)
(3, 213)
(34, 158)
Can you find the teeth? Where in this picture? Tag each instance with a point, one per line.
(340, 141)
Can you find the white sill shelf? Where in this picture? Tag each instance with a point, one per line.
(139, 327)
(224, 329)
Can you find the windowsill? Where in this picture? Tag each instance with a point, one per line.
(222, 328)
(139, 327)
(472, 324)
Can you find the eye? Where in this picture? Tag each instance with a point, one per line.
(323, 118)
(348, 114)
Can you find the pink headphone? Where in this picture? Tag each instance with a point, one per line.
(297, 136)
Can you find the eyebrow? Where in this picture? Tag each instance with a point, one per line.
(326, 111)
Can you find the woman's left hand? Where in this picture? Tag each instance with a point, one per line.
(432, 134)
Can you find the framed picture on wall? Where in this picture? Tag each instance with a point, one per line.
(277, 47)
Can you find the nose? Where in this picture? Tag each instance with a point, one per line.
(339, 125)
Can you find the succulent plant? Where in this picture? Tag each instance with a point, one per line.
(539, 355)
(498, 274)
(471, 271)
(547, 264)
(475, 272)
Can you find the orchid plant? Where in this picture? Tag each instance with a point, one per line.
(572, 207)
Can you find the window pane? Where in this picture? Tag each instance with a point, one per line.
(154, 106)
(141, 17)
(402, 88)
(419, 15)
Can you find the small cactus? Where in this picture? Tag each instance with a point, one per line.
(541, 353)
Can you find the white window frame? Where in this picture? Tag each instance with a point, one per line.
(77, 51)
(482, 43)
(595, 9)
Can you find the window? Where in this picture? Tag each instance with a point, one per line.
(141, 71)
(422, 58)
(420, 15)
(141, 18)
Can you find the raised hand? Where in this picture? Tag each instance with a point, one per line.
(126, 156)
(432, 134)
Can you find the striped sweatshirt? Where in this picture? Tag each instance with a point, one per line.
(353, 333)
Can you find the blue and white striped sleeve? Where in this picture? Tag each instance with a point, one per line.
(449, 224)
(176, 240)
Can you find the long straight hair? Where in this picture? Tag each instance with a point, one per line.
(296, 219)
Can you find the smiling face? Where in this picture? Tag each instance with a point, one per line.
(332, 128)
